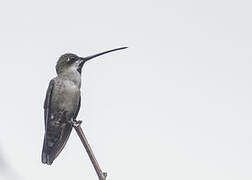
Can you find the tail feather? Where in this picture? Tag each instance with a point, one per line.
(53, 147)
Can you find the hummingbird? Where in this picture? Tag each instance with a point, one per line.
(62, 103)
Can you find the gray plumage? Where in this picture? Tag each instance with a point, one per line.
(61, 106)
(62, 103)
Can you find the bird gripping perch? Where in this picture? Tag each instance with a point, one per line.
(77, 127)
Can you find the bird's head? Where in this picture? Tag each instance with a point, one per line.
(71, 61)
(68, 61)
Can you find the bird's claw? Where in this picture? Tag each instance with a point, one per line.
(105, 174)
(76, 123)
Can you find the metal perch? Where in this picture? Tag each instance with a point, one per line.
(77, 127)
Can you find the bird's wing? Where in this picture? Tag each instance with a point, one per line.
(55, 140)
(57, 129)
(48, 101)
(78, 109)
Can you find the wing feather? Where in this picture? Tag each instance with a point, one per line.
(78, 109)
(48, 101)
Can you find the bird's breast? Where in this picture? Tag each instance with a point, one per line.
(67, 95)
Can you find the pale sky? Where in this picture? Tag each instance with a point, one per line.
(175, 105)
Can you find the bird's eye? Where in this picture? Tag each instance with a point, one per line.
(71, 59)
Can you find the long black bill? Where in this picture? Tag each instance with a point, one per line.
(99, 54)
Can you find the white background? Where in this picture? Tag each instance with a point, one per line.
(176, 105)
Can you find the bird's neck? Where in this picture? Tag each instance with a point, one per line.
(73, 76)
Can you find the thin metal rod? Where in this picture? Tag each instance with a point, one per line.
(100, 174)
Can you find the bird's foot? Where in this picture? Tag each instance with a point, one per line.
(76, 123)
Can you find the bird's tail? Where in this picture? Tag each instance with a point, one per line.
(52, 148)
(45, 158)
